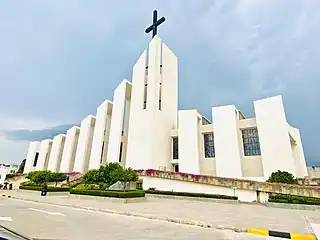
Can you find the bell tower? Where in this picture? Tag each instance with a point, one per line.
(154, 107)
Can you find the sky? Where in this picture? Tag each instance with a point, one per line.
(60, 59)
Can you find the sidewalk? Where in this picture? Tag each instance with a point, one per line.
(217, 214)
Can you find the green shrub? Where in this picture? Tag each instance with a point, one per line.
(87, 186)
(282, 177)
(92, 176)
(281, 198)
(39, 188)
(31, 174)
(103, 186)
(41, 177)
(115, 194)
(73, 185)
(109, 174)
(188, 194)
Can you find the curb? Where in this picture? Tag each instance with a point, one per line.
(286, 235)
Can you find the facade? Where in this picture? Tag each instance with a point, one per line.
(142, 128)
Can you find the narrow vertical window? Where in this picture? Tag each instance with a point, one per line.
(120, 152)
(209, 151)
(102, 149)
(175, 148)
(36, 159)
(251, 144)
(145, 94)
(160, 96)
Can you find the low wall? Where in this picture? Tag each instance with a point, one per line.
(251, 186)
(108, 199)
(181, 186)
(309, 181)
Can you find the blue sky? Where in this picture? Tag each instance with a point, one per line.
(60, 59)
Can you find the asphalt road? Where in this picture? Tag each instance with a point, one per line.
(43, 221)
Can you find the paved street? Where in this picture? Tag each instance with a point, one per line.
(43, 221)
(235, 215)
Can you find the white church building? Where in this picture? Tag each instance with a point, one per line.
(142, 128)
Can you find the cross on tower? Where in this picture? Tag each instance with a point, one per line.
(155, 24)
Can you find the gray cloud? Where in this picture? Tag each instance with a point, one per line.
(36, 135)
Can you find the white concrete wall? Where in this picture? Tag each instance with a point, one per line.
(189, 160)
(121, 103)
(252, 167)
(274, 136)
(44, 155)
(149, 136)
(227, 142)
(123, 161)
(101, 135)
(298, 153)
(34, 147)
(69, 150)
(314, 172)
(56, 153)
(208, 166)
(81, 163)
(181, 186)
(3, 173)
(138, 145)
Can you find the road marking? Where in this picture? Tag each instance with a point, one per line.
(50, 213)
(316, 229)
(9, 219)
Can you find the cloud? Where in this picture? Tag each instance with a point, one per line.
(36, 135)
(12, 151)
(60, 59)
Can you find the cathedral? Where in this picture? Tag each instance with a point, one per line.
(142, 128)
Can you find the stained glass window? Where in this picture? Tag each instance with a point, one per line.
(251, 144)
(209, 151)
(175, 148)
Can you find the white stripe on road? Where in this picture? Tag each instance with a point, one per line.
(316, 229)
(50, 213)
(9, 219)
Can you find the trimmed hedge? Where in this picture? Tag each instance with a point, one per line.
(103, 193)
(281, 198)
(39, 188)
(188, 194)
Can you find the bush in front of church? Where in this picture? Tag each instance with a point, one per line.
(42, 177)
(109, 174)
(282, 177)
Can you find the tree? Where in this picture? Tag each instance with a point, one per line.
(92, 176)
(109, 171)
(31, 175)
(43, 177)
(57, 177)
(282, 177)
(109, 174)
(124, 176)
(21, 166)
